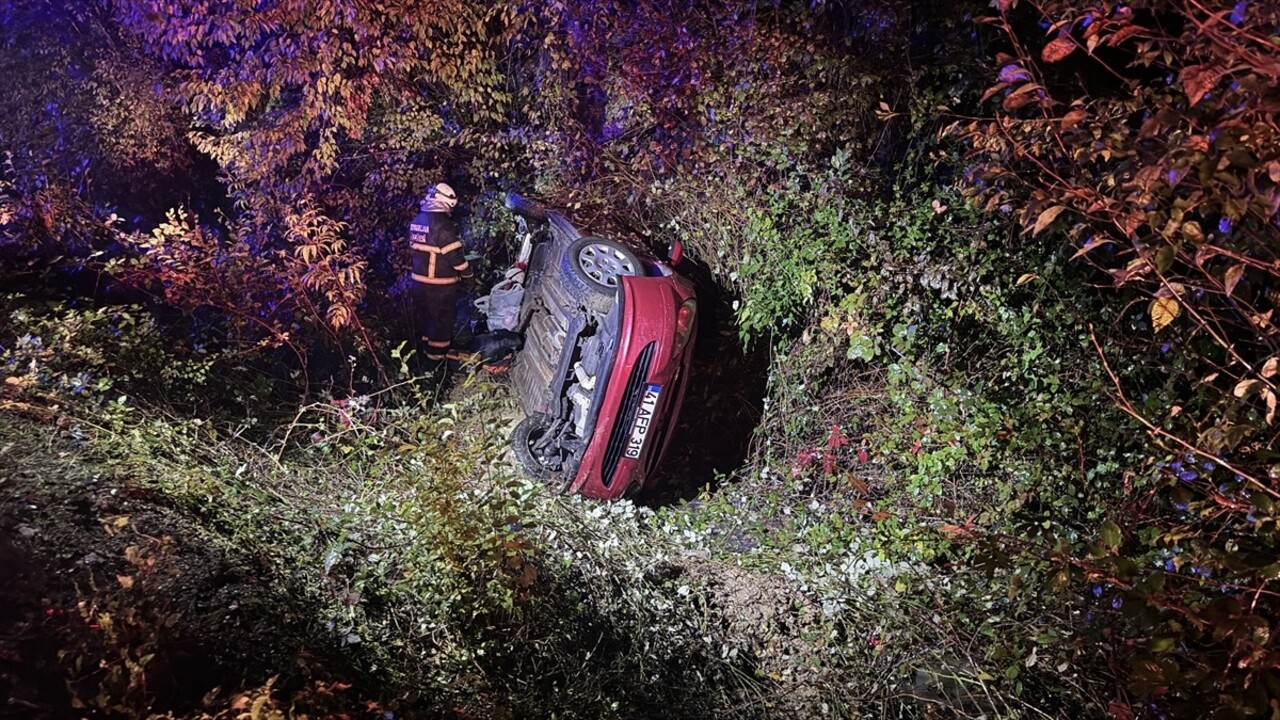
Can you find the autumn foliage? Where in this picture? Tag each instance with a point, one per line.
(1161, 167)
(1145, 135)
(1104, 376)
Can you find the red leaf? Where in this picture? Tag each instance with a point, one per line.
(835, 441)
(1014, 102)
(1131, 222)
(862, 455)
(1120, 710)
(1074, 118)
(1198, 80)
(1125, 33)
(1058, 50)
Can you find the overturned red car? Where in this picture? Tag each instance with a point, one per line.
(608, 333)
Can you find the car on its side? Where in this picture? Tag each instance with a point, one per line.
(608, 340)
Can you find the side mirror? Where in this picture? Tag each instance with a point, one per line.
(675, 252)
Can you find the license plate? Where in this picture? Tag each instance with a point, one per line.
(644, 416)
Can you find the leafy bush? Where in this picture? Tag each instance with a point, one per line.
(57, 352)
(936, 468)
(1141, 135)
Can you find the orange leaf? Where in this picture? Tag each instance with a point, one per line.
(1125, 33)
(1163, 312)
(1046, 218)
(528, 575)
(1269, 367)
(1148, 176)
(1058, 50)
(1091, 244)
(1131, 222)
(1244, 387)
(1120, 710)
(1232, 278)
(1074, 118)
(993, 90)
(1271, 407)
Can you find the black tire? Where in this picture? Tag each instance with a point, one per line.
(523, 438)
(593, 268)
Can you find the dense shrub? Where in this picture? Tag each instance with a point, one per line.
(64, 353)
(1144, 137)
(964, 444)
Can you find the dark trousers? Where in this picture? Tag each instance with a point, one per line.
(435, 310)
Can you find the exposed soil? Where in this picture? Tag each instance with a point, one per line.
(767, 615)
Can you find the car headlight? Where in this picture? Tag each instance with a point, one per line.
(684, 323)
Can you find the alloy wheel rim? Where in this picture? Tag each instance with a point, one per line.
(605, 263)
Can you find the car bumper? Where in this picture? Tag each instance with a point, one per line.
(645, 391)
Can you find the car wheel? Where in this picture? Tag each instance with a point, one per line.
(595, 268)
(545, 465)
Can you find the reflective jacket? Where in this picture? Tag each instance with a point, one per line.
(438, 258)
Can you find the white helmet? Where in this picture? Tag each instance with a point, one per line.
(440, 198)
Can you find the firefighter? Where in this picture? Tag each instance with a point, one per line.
(439, 265)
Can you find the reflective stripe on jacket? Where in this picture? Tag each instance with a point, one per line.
(438, 258)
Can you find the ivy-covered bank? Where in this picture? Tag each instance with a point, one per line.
(983, 417)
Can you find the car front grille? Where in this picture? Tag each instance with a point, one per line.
(626, 414)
